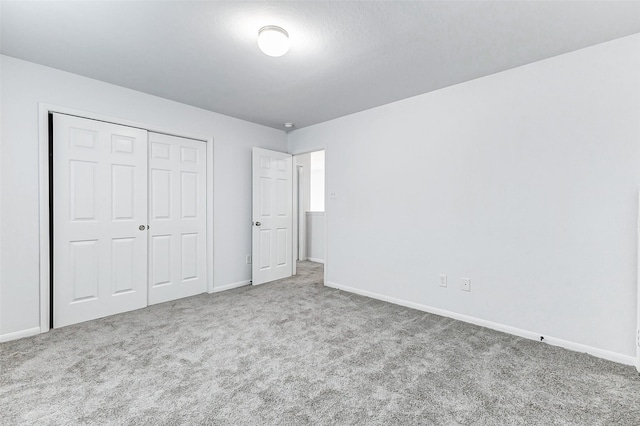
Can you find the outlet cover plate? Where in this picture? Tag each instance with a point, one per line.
(466, 284)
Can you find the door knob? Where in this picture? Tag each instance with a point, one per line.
(141, 227)
(258, 224)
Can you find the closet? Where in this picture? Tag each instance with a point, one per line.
(128, 216)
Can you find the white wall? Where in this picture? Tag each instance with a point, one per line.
(315, 236)
(525, 181)
(24, 85)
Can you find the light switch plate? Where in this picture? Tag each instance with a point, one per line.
(443, 280)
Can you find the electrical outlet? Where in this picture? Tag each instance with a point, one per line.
(443, 280)
(248, 259)
(333, 195)
(466, 284)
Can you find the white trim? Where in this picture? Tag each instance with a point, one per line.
(313, 259)
(566, 344)
(637, 333)
(1, 114)
(230, 286)
(20, 334)
(43, 170)
(294, 215)
(308, 151)
(327, 208)
(43, 208)
(210, 194)
(301, 219)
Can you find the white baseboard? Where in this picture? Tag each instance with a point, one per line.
(231, 286)
(19, 334)
(313, 259)
(578, 347)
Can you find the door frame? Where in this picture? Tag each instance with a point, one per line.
(296, 240)
(637, 330)
(43, 194)
(299, 229)
(295, 227)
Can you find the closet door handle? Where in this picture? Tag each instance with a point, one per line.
(141, 227)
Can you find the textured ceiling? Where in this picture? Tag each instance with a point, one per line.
(345, 56)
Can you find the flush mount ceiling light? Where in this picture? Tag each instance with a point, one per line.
(288, 125)
(273, 41)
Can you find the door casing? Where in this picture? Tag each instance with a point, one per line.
(637, 333)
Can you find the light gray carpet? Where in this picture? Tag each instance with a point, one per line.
(294, 352)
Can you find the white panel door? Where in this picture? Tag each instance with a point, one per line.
(177, 217)
(100, 203)
(272, 216)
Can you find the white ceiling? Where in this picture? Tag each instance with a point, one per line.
(345, 56)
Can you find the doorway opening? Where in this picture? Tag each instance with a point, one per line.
(310, 203)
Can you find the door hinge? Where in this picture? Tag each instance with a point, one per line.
(638, 338)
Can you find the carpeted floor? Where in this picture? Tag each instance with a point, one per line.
(294, 352)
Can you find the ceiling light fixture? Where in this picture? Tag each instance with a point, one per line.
(288, 125)
(273, 41)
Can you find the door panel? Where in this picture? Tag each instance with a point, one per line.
(83, 190)
(99, 193)
(189, 195)
(283, 239)
(265, 248)
(272, 216)
(189, 256)
(123, 265)
(122, 194)
(84, 265)
(161, 260)
(160, 194)
(177, 224)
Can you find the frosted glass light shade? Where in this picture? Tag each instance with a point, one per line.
(273, 41)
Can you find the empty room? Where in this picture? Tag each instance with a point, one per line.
(319, 212)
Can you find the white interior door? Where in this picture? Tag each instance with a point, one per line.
(272, 216)
(99, 212)
(177, 217)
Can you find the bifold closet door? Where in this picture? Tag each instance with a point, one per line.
(100, 218)
(177, 217)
